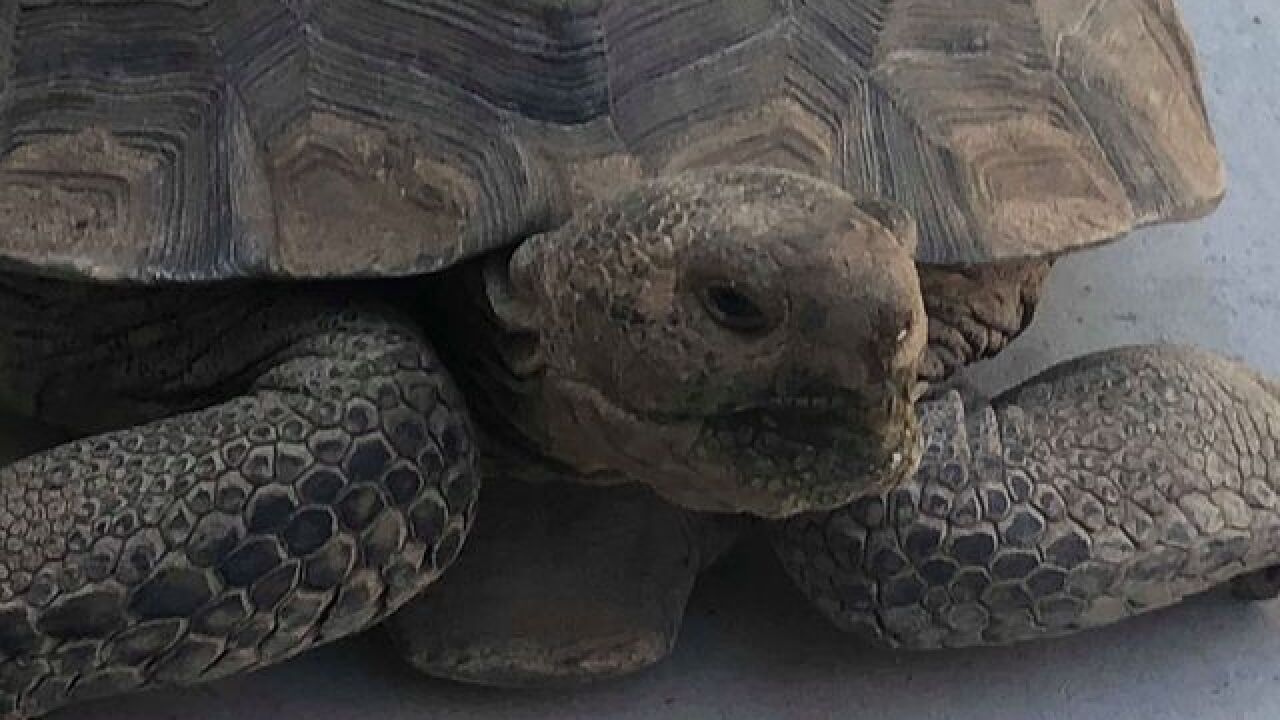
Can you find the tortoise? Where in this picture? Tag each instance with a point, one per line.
(233, 235)
(995, 127)
(294, 276)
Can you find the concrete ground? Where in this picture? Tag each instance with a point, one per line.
(753, 649)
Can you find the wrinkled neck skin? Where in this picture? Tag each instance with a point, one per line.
(739, 342)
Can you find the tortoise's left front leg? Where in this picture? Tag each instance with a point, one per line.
(1109, 486)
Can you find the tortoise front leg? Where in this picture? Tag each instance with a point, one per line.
(975, 312)
(203, 544)
(561, 583)
(1110, 486)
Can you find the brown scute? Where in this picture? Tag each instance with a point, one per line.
(386, 195)
(72, 197)
(149, 141)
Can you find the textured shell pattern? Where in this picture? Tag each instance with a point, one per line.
(190, 141)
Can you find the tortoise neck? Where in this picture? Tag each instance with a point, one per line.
(494, 365)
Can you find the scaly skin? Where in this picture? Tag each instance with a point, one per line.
(1110, 486)
(975, 312)
(334, 484)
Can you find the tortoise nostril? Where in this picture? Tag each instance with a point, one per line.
(734, 309)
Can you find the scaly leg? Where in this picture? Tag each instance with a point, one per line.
(310, 505)
(1110, 486)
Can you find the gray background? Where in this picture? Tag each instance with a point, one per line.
(751, 647)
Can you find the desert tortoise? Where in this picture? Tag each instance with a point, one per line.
(226, 229)
(1013, 133)
(205, 204)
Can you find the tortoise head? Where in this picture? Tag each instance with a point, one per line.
(740, 340)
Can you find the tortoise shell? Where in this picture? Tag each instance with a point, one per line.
(193, 141)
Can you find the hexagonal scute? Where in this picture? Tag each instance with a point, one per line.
(232, 493)
(1069, 550)
(329, 445)
(407, 431)
(309, 530)
(214, 536)
(1024, 527)
(358, 506)
(974, 548)
(368, 459)
(270, 589)
(174, 592)
(446, 551)
(269, 510)
(321, 485)
(139, 555)
(428, 517)
(252, 560)
(403, 483)
(356, 606)
(384, 538)
(329, 567)
(259, 465)
(144, 641)
(220, 618)
(94, 613)
(1014, 564)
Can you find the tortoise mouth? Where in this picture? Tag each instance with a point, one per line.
(820, 401)
(813, 452)
(810, 421)
(813, 408)
(770, 457)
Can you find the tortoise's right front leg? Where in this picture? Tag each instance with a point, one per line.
(1109, 486)
(332, 490)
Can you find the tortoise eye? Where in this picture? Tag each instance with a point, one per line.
(734, 309)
